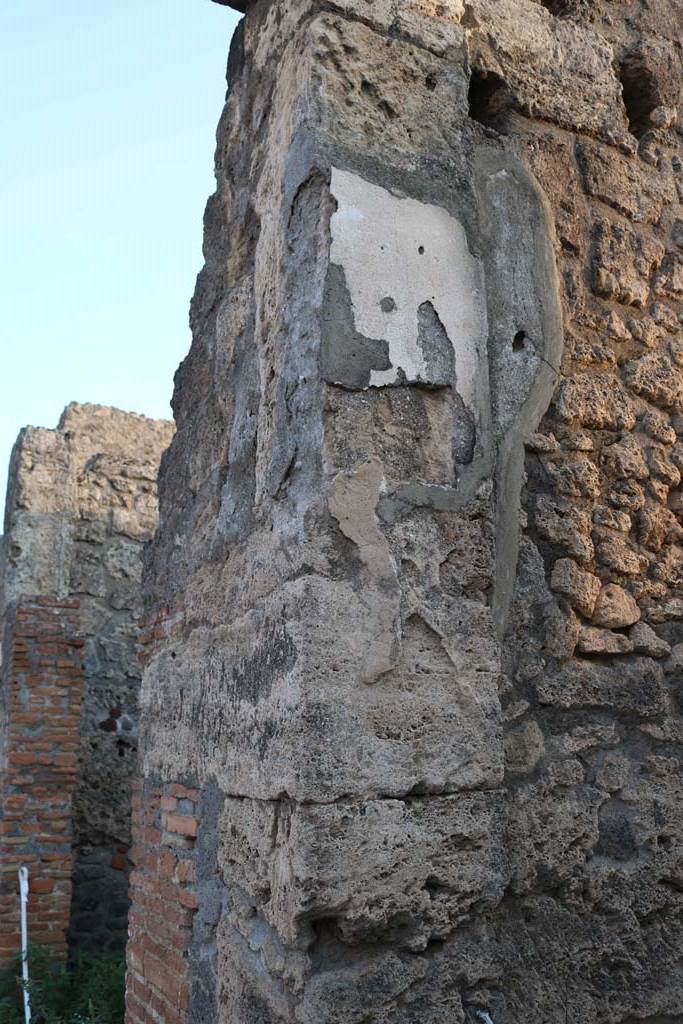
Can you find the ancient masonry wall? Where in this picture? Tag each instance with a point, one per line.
(81, 503)
(40, 703)
(412, 704)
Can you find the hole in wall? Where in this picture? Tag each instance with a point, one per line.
(421, 250)
(430, 82)
(387, 305)
(432, 885)
(519, 341)
(369, 90)
(387, 110)
(639, 92)
(469, 18)
(488, 98)
(325, 930)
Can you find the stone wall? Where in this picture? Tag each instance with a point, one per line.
(416, 595)
(81, 504)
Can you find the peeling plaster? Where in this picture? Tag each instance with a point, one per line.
(353, 499)
(397, 255)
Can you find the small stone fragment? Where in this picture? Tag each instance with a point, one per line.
(562, 523)
(657, 526)
(628, 495)
(612, 519)
(657, 425)
(541, 443)
(631, 685)
(615, 608)
(577, 441)
(566, 773)
(615, 553)
(616, 328)
(561, 634)
(581, 588)
(603, 641)
(614, 772)
(625, 460)
(524, 748)
(663, 467)
(575, 479)
(646, 641)
(668, 611)
(646, 331)
(597, 401)
(669, 282)
(655, 378)
(662, 314)
(674, 663)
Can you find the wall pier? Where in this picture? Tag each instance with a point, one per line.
(42, 680)
(422, 529)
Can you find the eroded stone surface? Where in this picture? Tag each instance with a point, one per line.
(424, 667)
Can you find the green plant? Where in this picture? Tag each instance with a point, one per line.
(89, 991)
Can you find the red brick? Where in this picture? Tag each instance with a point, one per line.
(188, 899)
(185, 871)
(42, 761)
(183, 793)
(182, 824)
(163, 979)
(41, 885)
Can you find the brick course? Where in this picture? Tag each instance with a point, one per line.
(40, 702)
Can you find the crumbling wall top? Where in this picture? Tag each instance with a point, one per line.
(98, 461)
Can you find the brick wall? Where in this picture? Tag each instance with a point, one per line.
(87, 491)
(40, 702)
(165, 827)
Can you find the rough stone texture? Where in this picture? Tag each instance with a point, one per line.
(81, 503)
(408, 535)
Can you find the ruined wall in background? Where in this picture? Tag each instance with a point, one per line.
(81, 503)
(411, 714)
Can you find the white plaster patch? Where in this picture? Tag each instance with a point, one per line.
(399, 249)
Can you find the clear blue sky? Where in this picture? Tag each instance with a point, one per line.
(108, 114)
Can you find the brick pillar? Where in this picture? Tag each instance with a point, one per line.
(40, 718)
(165, 825)
(164, 902)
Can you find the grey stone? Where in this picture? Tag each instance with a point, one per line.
(604, 641)
(646, 641)
(634, 687)
(379, 521)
